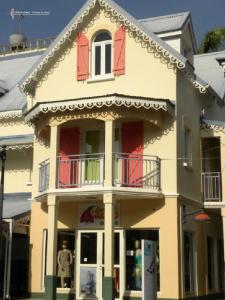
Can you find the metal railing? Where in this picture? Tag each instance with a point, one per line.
(44, 169)
(27, 45)
(211, 186)
(80, 170)
(137, 171)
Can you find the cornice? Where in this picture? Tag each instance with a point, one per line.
(18, 147)
(132, 28)
(214, 125)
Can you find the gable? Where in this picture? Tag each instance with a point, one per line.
(144, 72)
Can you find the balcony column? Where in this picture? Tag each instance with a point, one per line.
(109, 146)
(50, 278)
(54, 142)
(108, 280)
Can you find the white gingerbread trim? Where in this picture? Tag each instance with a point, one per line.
(146, 40)
(217, 126)
(18, 147)
(98, 102)
(11, 114)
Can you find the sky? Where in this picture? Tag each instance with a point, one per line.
(206, 14)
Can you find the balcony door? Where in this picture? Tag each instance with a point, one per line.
(93, 166)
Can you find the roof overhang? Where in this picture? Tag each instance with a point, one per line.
(16, 142)
(106, 101)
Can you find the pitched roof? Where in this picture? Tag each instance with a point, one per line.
(208, 68)
(167, 23)
(16, 204)
(12, 69)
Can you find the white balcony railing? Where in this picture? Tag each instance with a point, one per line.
(130, 170)
(137, 171)
(44, 175)
(80, 170)
(211, 186)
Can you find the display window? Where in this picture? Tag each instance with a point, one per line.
(65, 258)
(188, 262)
(134, 257)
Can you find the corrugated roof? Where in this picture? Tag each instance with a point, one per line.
(208, 68)
(12, 69)
(16, 139)
(166, 23)
(16, 204)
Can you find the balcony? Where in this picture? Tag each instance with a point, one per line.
(211, 187)
(86, 170)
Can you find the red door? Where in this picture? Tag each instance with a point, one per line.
(132, 148)
(69, 161)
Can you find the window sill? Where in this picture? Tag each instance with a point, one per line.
(101, 78)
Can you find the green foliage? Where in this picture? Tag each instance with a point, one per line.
(213, 41)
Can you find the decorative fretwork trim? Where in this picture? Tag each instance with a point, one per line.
(98, 102)
(11, 114)
(18, 147)
(140, 35)
(217, 126)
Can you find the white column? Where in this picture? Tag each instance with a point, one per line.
(52, 236)
(109, 146)
(223, 220)
(54, 140)
(109, 234)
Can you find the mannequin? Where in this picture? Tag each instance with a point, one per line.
(64, 260)
(137, 265)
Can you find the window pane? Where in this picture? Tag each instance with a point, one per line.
(97, 60)
(88, 241)
(134, 259)
(188, 262)
(108, 58)
(103, 36)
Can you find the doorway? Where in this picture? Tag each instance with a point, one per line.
(90, 263)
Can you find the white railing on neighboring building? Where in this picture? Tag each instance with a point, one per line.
(80, 170)
(27, 45)
(44, 175)
(137, 171)
(211, 186)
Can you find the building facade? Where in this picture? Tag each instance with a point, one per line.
(128, 127)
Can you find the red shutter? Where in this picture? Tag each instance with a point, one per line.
(68, 165)
(132, 147)
(119, 51)
(82, 57)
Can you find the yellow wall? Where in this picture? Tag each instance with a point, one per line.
(188, 114)
(18, 167)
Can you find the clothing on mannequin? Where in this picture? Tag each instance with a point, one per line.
(64, 260)
(137, 265)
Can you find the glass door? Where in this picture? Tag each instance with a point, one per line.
(90, 264)
(93, 165)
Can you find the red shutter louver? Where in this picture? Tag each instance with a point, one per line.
(119, 51)
(68, 166)
(82, 57)
(132, 147)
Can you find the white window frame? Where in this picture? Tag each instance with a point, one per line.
(102, 44)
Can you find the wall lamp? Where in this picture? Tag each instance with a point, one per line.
(199, 216)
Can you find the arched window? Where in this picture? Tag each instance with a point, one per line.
(102, 54)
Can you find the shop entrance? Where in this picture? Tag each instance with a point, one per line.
(90, 263)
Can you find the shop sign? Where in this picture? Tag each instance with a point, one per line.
(92, 215)
(149, 270)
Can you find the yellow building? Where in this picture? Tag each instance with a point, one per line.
(128, 126)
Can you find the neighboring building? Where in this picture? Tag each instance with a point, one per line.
(129, 126)
(17, 136)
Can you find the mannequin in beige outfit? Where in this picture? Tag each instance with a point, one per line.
(64, 260)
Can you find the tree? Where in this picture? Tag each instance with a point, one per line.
(214, 40)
